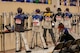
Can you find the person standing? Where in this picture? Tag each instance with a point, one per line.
(64, 34)
(67, 19)
(20, 25)
(48, 17)
(37, 27)
(58, 18)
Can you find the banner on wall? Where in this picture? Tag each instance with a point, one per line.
(49, 1)
(33, 1)
(65, 2)
(27, 0)
(7, 0)
(73, 2)
(46, 1)
(41, 1)
(36, 1)
(68, 2)
(20, 0)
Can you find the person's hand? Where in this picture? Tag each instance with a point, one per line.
(57, 43)
(24, 27)
(42, 27)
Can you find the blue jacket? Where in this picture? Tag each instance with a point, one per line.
(66, 31)
(68, 14)
(20, 27)
(21, 16)
(40, 17)
(66, 37)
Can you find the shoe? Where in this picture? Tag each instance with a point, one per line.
(32, 47)
(29, 51)
(18, 50)
(46, 48)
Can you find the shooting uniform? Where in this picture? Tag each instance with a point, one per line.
(65, 36)
(67, 20)
(47, 25)
(19, 28)
(58, 18)
(37, 28)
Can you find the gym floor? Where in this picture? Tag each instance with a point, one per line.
(36, 50)
(40, 50)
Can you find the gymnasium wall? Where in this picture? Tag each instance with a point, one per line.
(30, 7)
(73, 9)
(11, 7)
(27, 7)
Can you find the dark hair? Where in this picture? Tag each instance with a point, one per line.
(61, 25)
(67, 9)
(59, 9)
(37, 10)
(48, 9)
(19, 10)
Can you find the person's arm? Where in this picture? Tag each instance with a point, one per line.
(14, 22)
(25, 20)
(33, 16)
(52, 14)
(63, 15)
(70, 16)
(44, 15)
(25, 16)
(66, 31)
(41, 18)
(55, 18)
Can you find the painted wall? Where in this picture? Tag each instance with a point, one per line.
(73, 9)
(27, 7)
(11, 7)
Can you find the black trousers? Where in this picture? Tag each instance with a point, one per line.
(51, 33)
(66, 38)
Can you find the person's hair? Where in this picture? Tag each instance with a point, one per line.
(67, 9)
(59, 9)
(61, 25)
(37, 10)
(19, 10)
(48, 9)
